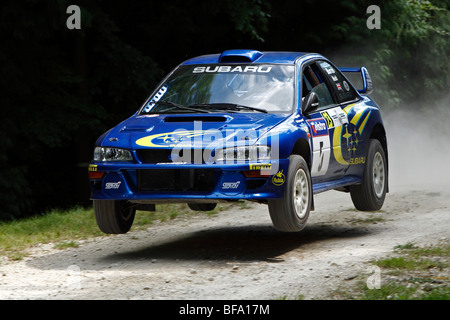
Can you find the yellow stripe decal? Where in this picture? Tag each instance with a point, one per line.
(337, 150)
(349, 107)
(357, 116)
(363, 124)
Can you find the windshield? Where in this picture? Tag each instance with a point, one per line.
(235, 88)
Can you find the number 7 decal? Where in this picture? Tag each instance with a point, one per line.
(320, 146)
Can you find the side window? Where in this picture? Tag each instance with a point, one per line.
(344, 91)
(312, 81)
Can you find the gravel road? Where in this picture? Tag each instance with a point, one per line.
(238, 255)
(234, 255)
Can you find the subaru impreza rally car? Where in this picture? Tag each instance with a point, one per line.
(270, 127)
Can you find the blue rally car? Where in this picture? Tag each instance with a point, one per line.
(270, 127)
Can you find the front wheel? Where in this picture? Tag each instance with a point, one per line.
(369, 196)
(290, 213)
(114, 216)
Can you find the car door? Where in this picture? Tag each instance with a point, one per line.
(348, 141)
(326, 124)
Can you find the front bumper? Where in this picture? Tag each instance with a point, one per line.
(172, 182)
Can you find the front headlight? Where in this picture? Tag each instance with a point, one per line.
(244, 153)
(112, 154)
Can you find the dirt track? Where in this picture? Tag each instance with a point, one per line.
(238, 255)
(234, 255)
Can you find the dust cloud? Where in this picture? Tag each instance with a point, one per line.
(419, 144)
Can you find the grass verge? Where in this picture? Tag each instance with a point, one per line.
(65, 228)
(412, 273)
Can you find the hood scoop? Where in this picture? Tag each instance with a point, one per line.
(136, 128)
(196, 118)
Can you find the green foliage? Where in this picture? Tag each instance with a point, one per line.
(65, 228)
(393, 291)
(408, 56)
(56, 226)
(60, 90)
(413, 273)
(409, 263)
(419, 273)
(246, 15)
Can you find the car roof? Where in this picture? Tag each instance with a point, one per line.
(247, 56)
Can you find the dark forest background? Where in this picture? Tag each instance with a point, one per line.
(61, 88)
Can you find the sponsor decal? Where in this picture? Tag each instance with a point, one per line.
(278, 178)
(92, 168)
(320, 145)
(156, 98)
(170, 139)
(337, 116)
(230, 185)
(346, 86)
(327, 67)
(113, 185)
(262, 166)
(319, 127)
(328, 119)
(329, 70)
(338, 85)
(231, 69)
(360, 160)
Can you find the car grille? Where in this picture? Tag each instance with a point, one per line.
(203, 180)
(151, 156)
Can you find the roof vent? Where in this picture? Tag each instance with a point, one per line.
(240, 55)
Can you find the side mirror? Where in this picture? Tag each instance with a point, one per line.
(310, 103)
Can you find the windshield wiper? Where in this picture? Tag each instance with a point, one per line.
(228, 106)
(179, 106)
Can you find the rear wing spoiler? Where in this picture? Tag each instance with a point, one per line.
(367, 86)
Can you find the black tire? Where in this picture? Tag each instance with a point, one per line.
(114, 216)
(202, 206)
(290, 213)
(370, 195)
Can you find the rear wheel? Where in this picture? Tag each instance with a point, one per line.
(290, 213)
(202, 206)
(370, 195)
(114, 216)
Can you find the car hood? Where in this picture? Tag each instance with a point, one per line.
(190, 130)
